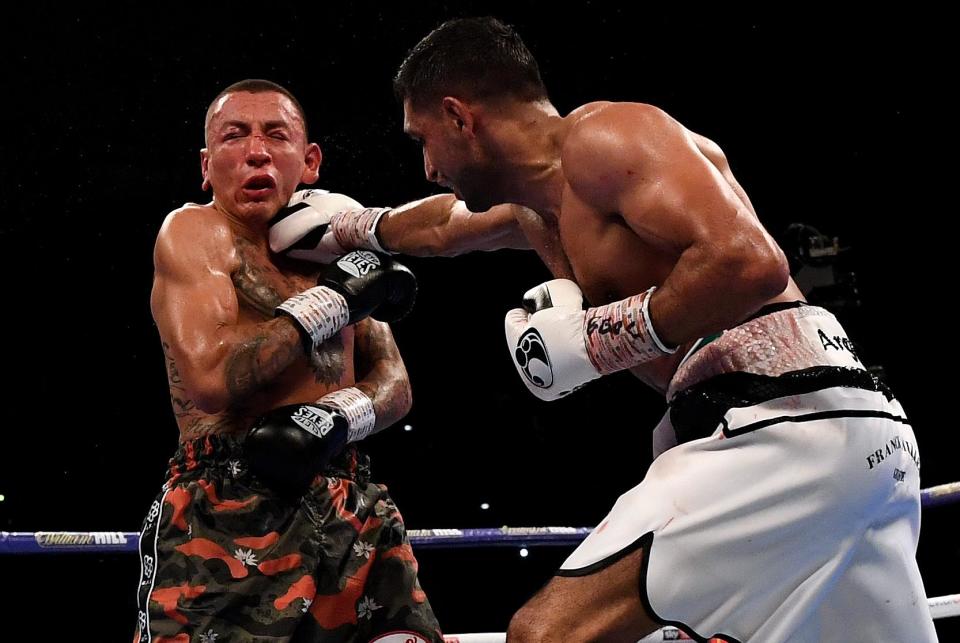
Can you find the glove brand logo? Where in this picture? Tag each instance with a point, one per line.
(359, 262)
(531, 355)
(313, 420)
(400, 637)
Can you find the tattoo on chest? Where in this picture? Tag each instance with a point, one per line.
(256, 287)
(327, 361)
(263, 288)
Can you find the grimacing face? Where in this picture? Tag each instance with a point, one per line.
(450, 159)
(256, 153)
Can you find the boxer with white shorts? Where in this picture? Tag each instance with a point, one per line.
(787, 488)
(785, 496)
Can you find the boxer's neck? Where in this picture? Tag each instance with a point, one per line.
(528, 145)
(253, 231)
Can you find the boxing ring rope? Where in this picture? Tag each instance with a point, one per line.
(42, 542)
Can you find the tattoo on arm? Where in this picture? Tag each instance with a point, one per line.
(193, 422)
(257, 287)
(259, 360)
(380, 372)
(183, 406)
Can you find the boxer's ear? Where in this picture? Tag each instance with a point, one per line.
(459, 115)
(204, 164)
(312, 160)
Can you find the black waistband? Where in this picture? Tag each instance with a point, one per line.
(697, 411)
(197, 456)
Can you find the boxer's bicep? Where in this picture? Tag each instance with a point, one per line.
(685, 204)
(679, 201)
(193, 297)
(645, 168)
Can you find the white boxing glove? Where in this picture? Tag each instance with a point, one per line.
(548, 346)
(302, 229)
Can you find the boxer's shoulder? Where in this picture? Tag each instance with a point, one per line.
(195, 233)
(579, 114)
(606, 117)
(610, 146)
(193, 217)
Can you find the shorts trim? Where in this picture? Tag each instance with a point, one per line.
(646, 541)
(593, 568)
(810, 417)
(643, 542)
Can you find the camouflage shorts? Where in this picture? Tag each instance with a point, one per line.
(223, 559)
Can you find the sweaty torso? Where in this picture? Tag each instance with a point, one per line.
(609, 261)
(260, 286)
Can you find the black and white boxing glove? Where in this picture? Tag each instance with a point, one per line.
(545, 338)
(360, 284)
(321, 226)
(288, 446)
(557, 346)
(373, 285)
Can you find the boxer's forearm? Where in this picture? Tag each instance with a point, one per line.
(707, 291)
(391, 398)
(252, 358)
(381, 373)
(442, 226)
(419, 228)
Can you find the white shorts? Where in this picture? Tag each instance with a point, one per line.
(796, 520)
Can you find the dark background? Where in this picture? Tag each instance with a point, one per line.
(838, 122)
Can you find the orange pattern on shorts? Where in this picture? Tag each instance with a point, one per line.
(332, 611)
(261, 542)
(179, 638)
(178, 498)
(338, 494)
(282, 564)
(223, 505)
(167, 598)
(208, 549)
(404, 552)
(303, 588)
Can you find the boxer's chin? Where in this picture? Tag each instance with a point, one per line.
(476, 200)
(479, 187)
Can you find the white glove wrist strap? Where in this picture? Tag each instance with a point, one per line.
(320, 311)
(621, 335)
(356, 407)
(355, 229)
